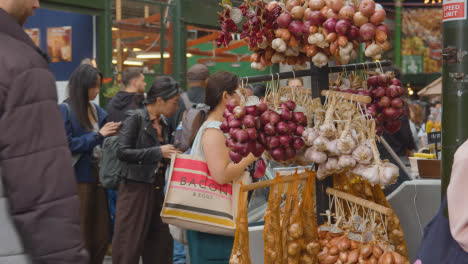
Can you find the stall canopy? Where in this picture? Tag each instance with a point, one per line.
(434, 88)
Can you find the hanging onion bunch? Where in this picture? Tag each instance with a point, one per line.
(321, 30)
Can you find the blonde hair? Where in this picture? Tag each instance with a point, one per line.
(416, 113)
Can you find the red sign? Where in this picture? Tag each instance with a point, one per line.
(454, 10)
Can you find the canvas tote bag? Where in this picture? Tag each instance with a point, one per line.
(195, 201)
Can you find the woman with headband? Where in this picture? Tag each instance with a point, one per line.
(139, 230)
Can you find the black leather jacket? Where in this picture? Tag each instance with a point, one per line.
(141, 150)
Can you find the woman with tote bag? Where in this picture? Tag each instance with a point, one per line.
(221, 88)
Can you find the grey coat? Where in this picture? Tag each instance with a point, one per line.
(39, 208)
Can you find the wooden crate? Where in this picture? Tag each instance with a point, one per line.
(429, 168)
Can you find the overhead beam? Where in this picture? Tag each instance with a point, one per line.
(203, 39)
(204, 60)
(233, 45)
(201, 29)
(138, 28)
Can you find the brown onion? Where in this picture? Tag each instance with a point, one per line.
(359, 19)
(316, 4)
(297, 12)
(353, 256)
(292, 3)
(347, 12)
(336, 5)
(366, 250)
(367, 7)
(378, 17)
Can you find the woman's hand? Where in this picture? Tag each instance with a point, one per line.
(169, 150)
(110, 129)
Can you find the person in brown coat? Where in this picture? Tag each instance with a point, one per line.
(39, 206)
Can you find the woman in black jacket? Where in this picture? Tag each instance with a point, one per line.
(139, 231)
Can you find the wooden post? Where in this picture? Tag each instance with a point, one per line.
(118, 44)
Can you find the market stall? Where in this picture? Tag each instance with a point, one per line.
(336, 212)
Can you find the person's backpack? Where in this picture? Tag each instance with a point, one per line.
(192, 119)
(111, 168)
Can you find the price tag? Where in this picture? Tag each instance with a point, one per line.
(434, 137)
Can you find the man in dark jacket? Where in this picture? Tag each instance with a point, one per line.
(198, 76)
(36, 169)
(127, 99)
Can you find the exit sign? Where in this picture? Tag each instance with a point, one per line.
(454, 10)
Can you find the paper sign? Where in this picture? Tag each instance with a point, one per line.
(59, 43)
(454, 10)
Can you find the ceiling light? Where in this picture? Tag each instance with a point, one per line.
(189, 55)
(115, 50)
(136, 49)
(114, 29)
(153, 55)
(125, 50)
(133, 63)
(114, 61)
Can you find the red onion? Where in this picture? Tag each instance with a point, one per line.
(231, 105)
(291, 105)
(298, 143)
(380, 92)
(271, 5)
(402, 112)
(262, 138)
(274, 142)
(258, 149)
(235, 157)
(241, 136)
(305, 29)
(392, 126)
(372, 110)
(225, 127)
(367, 7)
(351, 91)
(269, 129)
(278, 154)
(342, 27)
(230, 143)
(395, 82)
(260, 169)
(289, 153)
(249, 121)
(372, 82)
(391, 113)
(286, 115)
(307, 13)
(316, 18)
(384, 28)
(262, 107)
(243, 149)
(379, 130)
(367, 31)
(284, 20)
(239, 112)
(234, 123)
(330, 25)
(363, 92)
(383, 79)
(251, 110)
(265, 117)
(226, 113)
(282, 128)
(300, 130)
(384, 102)
(401, 91)
(353, 33)
(397, 102)
(274, 118)
(299, 118)
(284, 140)
(252, 133)
(292, 126)
(297, 28)
(230, 118)
(347, 12)
(392, 91)
(258, 123)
